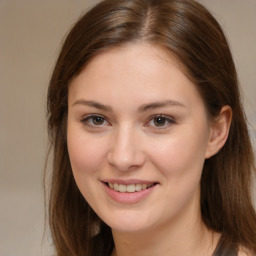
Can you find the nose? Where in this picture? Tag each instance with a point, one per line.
(125, 150)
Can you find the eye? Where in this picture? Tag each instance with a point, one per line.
(160, 121)
(95, 120)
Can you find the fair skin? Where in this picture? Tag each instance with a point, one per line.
(136, 122)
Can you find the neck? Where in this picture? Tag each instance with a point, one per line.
(179, 237)
(151, 243)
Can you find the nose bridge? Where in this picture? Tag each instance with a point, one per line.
(125, 151)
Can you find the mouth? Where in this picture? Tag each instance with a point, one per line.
(131, 188)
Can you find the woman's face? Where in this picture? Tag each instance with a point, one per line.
(137, 138)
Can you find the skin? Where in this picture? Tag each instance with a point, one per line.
(127, 140)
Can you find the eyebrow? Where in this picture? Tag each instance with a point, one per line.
(160, 104)
(92, 103)
(142, 108)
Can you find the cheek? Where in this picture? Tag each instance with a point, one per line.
(180, 162)
(180, 155)
(85, 153)
(86, 157)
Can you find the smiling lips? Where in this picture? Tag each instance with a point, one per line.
(131, 188)
(129, 191)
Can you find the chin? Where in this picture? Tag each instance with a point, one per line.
(130, 228)
(129, 223)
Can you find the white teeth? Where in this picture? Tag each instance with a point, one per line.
(116, 187)
(122, 188)
(138, 187)
(144, 186)
(129, 188)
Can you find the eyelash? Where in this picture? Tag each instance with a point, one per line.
(90, 121)
(167, 121)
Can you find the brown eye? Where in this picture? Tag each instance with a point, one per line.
(98, 120)
(95, 120)
(160, 121)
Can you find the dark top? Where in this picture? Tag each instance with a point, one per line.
(225, 248)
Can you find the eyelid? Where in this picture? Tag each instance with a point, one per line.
(85, 119)
(169, 119)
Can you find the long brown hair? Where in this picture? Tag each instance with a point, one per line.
(188, 31)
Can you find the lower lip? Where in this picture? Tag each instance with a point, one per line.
(128, 198)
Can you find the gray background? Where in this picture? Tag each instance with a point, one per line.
(30, 35)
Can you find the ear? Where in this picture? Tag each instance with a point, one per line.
(219, 131)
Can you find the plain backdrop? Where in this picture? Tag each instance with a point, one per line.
(31, 32)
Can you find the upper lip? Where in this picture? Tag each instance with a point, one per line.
(128, 181)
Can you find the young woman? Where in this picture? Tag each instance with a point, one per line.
(151, 149)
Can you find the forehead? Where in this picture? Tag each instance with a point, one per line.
(136, 54)
(129, 70)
